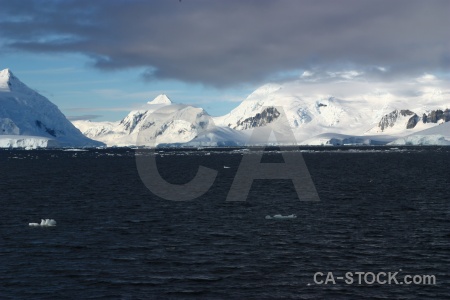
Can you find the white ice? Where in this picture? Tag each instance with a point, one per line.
(281, 217)
(46, 222)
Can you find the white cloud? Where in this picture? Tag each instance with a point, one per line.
(307, 74)
(427, 78)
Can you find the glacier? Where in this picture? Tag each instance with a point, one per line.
(438, 135)
(26, 142)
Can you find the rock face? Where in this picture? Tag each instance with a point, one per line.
(24, 112)
(412, 122)
(267, 116)
(390, 119)
(434, 116)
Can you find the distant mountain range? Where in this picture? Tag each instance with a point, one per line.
(27, 119)
(324, 121)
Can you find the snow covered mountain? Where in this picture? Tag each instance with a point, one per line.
(159, 121)
(28, 119)
(369, 119)
(306, 117)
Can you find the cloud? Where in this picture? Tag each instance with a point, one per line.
(225, 43)
(427, 78)
(132, 106)
(51, 71)
(83, 117)
(428, 88)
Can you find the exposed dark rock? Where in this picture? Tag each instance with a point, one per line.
(50, 131)
(147, 125)
(267, 116)
(131, 124)
(436, 115)
(161, 130)
(390, 119)
(412, 122)
(406, 112)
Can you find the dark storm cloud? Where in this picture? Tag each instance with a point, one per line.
(229, 42)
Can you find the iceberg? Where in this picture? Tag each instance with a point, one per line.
(281, 217)
(46, 222)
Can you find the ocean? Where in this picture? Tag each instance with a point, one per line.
(383, 214)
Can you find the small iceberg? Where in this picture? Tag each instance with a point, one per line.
(279, 217)
(46, 222)
(75, 149)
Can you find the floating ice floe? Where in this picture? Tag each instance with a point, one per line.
(75, 150)
(281, 217)
(46, 222)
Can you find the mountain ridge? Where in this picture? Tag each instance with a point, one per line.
(326, 120)
(367, 118)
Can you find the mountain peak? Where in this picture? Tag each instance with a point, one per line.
(5, 73)
(9, 82)
(265, 90)
(5, 77)
(160, 99)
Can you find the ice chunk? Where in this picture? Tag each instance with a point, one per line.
(48, 222)
(281, 217)
(44, 222)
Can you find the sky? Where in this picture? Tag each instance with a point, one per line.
(100, 59)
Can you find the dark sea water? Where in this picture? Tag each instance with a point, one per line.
(380, 210)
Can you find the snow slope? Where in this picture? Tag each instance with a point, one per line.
(306, 117)
(215, 137)
(28, 119)
(158, 121)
